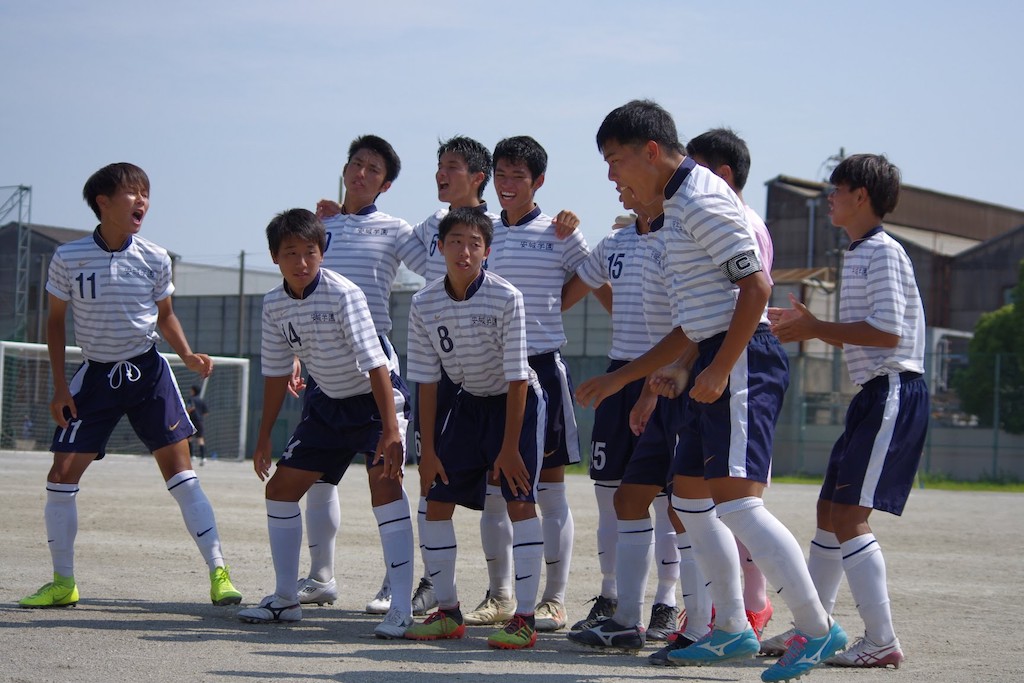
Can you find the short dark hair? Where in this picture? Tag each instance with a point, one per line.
(195, 389)
(476, 156)
(301, 223)
(721, 146)
(874, 173)
(470, 217)
(111, 178)
(375, 143)
(638, 122)
(522, 148)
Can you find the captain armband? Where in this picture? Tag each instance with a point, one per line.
(741, 265)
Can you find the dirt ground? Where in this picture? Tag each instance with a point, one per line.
(954, 560)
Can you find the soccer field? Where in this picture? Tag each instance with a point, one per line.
(954, 560)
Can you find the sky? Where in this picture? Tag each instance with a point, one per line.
(240, 110)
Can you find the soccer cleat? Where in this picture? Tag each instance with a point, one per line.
(865, 654)
(519, 633)
(316, 592)
(61, 592)
(491, 611)
(803, 654)
(660, 658)
(610, 635)
(222, 591)
(423, 598)
(550, 616)
(776, 645)
(381, 602)
(717, 646)
(272, 610)
(759, 620)
(394, 625)
(604, 608)
(444, 623)
(664, 621)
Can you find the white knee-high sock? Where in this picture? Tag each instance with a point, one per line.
(825, 563)
(421, 519)
(198, 515)
(778, 554)
(715, 551)
(635, 547)
(496, 540)
(607, 535)
(865, 572)
(527, 552)
(284, 526)
(665, 553)
(696, 590)
(61, 515)
(559, 530)
(440, 551)
(395, 526)
(323, 519)
(755, 588)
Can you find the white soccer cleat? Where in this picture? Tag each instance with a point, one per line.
(394, 625)
(316, 592)
(867, 654)
(272, 610)
(381, 602)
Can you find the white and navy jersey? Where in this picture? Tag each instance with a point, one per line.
(706, 236)
(329, 329)
(618, 260)
(480, 341)
(879, 288)
(536, 262)
(658, 306)
(432, 264)
(367, 247)
(112, 294)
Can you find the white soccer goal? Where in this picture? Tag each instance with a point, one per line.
(25, 422)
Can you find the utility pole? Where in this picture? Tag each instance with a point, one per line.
(20, 200)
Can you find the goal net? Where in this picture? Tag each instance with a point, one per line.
(25, 422)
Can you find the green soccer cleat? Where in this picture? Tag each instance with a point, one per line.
(519, 633)
(444, 623)
(61, 592)
(222, 592)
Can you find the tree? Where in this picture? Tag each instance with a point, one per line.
(997, 334)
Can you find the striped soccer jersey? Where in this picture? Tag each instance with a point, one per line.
(658, 305)
(113, 294)
(329, 329)
(705, 227)
(618, 260)
(426, 233)
(467, 338)
(879, 287)
(367, 247)
(536, 262)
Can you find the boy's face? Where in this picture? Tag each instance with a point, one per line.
(364, 175)
(632, 167)
(455, 184)
(124, 210)
(843, 204)
(464, 252)
(515, 186)
(299, 261)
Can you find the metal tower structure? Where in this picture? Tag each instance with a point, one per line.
(19, 198)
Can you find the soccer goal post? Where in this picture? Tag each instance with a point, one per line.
(25, 422)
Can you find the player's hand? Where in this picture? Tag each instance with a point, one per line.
(199, 363)
(61, 401)
(642, 411)
(296, 384)
(325, 208)
(509, 464)
(566, 223)
(261, 460)
(391, 451)
(596, 389)
(793, 324)
(431, 469)
(710, 384)
(669, 381)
